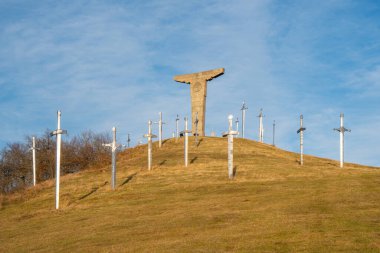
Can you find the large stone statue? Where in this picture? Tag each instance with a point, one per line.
(198, 91)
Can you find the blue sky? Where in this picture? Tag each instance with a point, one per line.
(111, 63)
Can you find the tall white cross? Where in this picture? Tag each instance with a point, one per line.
(113, 147)
(230, 134)
(300, 131)
(186, 142)
(33, 148)
(243, 109)
(341, 130)
(261, 126)
(159, 129)
(58, 133)
(149, 136)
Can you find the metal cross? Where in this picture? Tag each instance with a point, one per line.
(230, 134)
(300, 131)
(113, 147)
(159, 129)
(261, 126)
(149, 136)
(186, 141)
(58, 133)
(243, 109)
(341, 130)
(33, 148)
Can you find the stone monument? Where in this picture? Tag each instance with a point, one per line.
(198, 92)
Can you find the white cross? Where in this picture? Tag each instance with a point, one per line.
(113, 147)
(58, 133)
(300, 131)
(186, 141)
(33, 148)
(230, 134)
(261, 126)
(341, 130)
(149, 136)
(243, 109)
(159, 129)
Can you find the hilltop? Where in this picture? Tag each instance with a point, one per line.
(273, 204)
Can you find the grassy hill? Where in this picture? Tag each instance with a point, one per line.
(273, 205)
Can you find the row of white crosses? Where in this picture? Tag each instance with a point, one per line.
(186, 132)
(59, 133)
(230, 133)
(243, 109)
(341, 130)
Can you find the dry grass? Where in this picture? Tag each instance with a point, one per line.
(273, 205)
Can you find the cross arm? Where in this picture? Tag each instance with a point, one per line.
(150, 135)
(342, 129)
(58, 131)
(224, 134)
(205, 75)
(301, 129)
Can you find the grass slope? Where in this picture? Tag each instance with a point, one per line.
(273, 205)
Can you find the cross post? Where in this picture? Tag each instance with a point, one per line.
(230, 134)
(58, 133)
(114, 146)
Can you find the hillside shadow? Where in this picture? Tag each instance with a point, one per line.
(164, 141)
(193, 160)
(129, 178)
(199, 142)
(94, 189)
(234, 171)
(163, 162)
